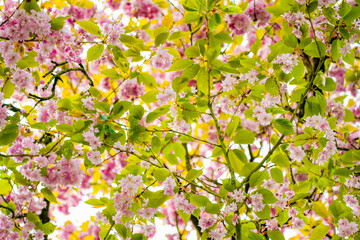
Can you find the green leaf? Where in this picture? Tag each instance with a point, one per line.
(279, 9)
(284, 126)
(191, 17)
(184, 216)
(102, 106)
(65, 103)
(271, 87)
(298, 71)
(353, 14)
(237, 159)
(5, 187)
(257, 178)
(48, 228)
(319, 232)
(248, 168)
(313, 51)
(48, 195)
(193, 174)
(90, 27)
(161, 174)
(119, 109)
(202, 82)
(277, 49)
(161, 38)
(157, 199)
(256, 46)
(67, 149)
(9, 134)
(349, 116)
(64, 127)
(268, 196)
(39, 125)
(212, 208)
(111, 73)
(320, 209)
(147, 79)
(337, 208)
(95, 52)
(276, 235)
(231, 8)
(58, 23)
(157, 113)
(150, 96)
(277, 175)
(8, 89)
(335, 49)
(283, 217)
(224, 37)
(177, 35)
(344, 172)
(192, 52)
(121, 229)
(232, 127)
(190, 72)
(180, 64)
(199, 200)
(137, 112)
(312, 6)
(31, 5)
(265, 213)
(179, 83)
(291, 41)
(95, 202)
(244, 136)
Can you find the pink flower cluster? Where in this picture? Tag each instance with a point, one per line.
(256, 10)
(296, 153)
(10, 56)
(113, 31)
(239, 24)
(146, 213)
(162, 60)
(238, 195)
(22, 78)
(336, 109)
(218, 233)
(130, 184)
(94, 157)
(169, 185)
(64, 172)
(228, 83)
(182, 204)
(262, 116)
(288, 61)
(206, 221)
(251, 76)
(3, 112)
(141, 8)
(88, 102)
(21, 25)
(322, 124)
(257, 202)
(168, 95)
(90, 137)
(297, 19)
(271, 224)
(180, 126)
(131, 90)
(23, 145)
(347, 228)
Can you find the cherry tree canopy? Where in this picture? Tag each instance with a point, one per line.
(220, 119)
